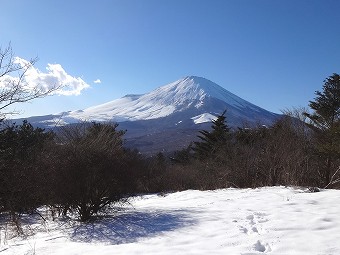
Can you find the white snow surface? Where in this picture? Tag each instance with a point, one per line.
(177, 96)
(203, 118)
(272, 220)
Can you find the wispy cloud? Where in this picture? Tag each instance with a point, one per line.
(55, 76)
(97, 81)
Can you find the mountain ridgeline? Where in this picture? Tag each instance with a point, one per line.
(168, 117)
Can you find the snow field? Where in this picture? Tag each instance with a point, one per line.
(273, 220)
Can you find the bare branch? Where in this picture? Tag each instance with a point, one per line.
(13, 86)
(333, 180)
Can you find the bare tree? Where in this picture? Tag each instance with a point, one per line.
(93, 169)
(15, 89)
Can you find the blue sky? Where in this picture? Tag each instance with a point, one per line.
(272, 53)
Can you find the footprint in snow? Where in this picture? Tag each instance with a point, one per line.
(253, 224)
(261, 247)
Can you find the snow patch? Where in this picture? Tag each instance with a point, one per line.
(203, 118)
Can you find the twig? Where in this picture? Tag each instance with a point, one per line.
(332, 181)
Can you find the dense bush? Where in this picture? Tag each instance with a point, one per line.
(81, 169)
(93, 169)
(21, 177)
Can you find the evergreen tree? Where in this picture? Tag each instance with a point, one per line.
(325, 121)
(326, 105)
(212, 141)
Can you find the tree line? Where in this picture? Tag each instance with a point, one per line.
(301, 148)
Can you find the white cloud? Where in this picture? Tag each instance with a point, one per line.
(97, 81)
(54, 76)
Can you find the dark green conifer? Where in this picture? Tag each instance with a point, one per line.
(212, 141)
(325, 121)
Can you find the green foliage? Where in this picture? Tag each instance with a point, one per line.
(326, 105)
(325, 121)
(212, 141)
(20, 148)
(22, 142)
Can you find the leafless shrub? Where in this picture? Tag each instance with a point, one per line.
(94, 169)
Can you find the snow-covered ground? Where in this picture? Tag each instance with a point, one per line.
(274, 220)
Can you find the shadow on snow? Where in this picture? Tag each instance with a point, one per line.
(130, 226)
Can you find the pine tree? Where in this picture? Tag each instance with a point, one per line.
(212, 141)
(327, 104)
(325, 121)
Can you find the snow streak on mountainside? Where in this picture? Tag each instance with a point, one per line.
(203, 118)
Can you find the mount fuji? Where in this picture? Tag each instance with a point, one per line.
(177, 109)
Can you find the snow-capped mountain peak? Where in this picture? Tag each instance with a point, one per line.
(163, 101)
(186, 98)
(206, 88)
(195, 90)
